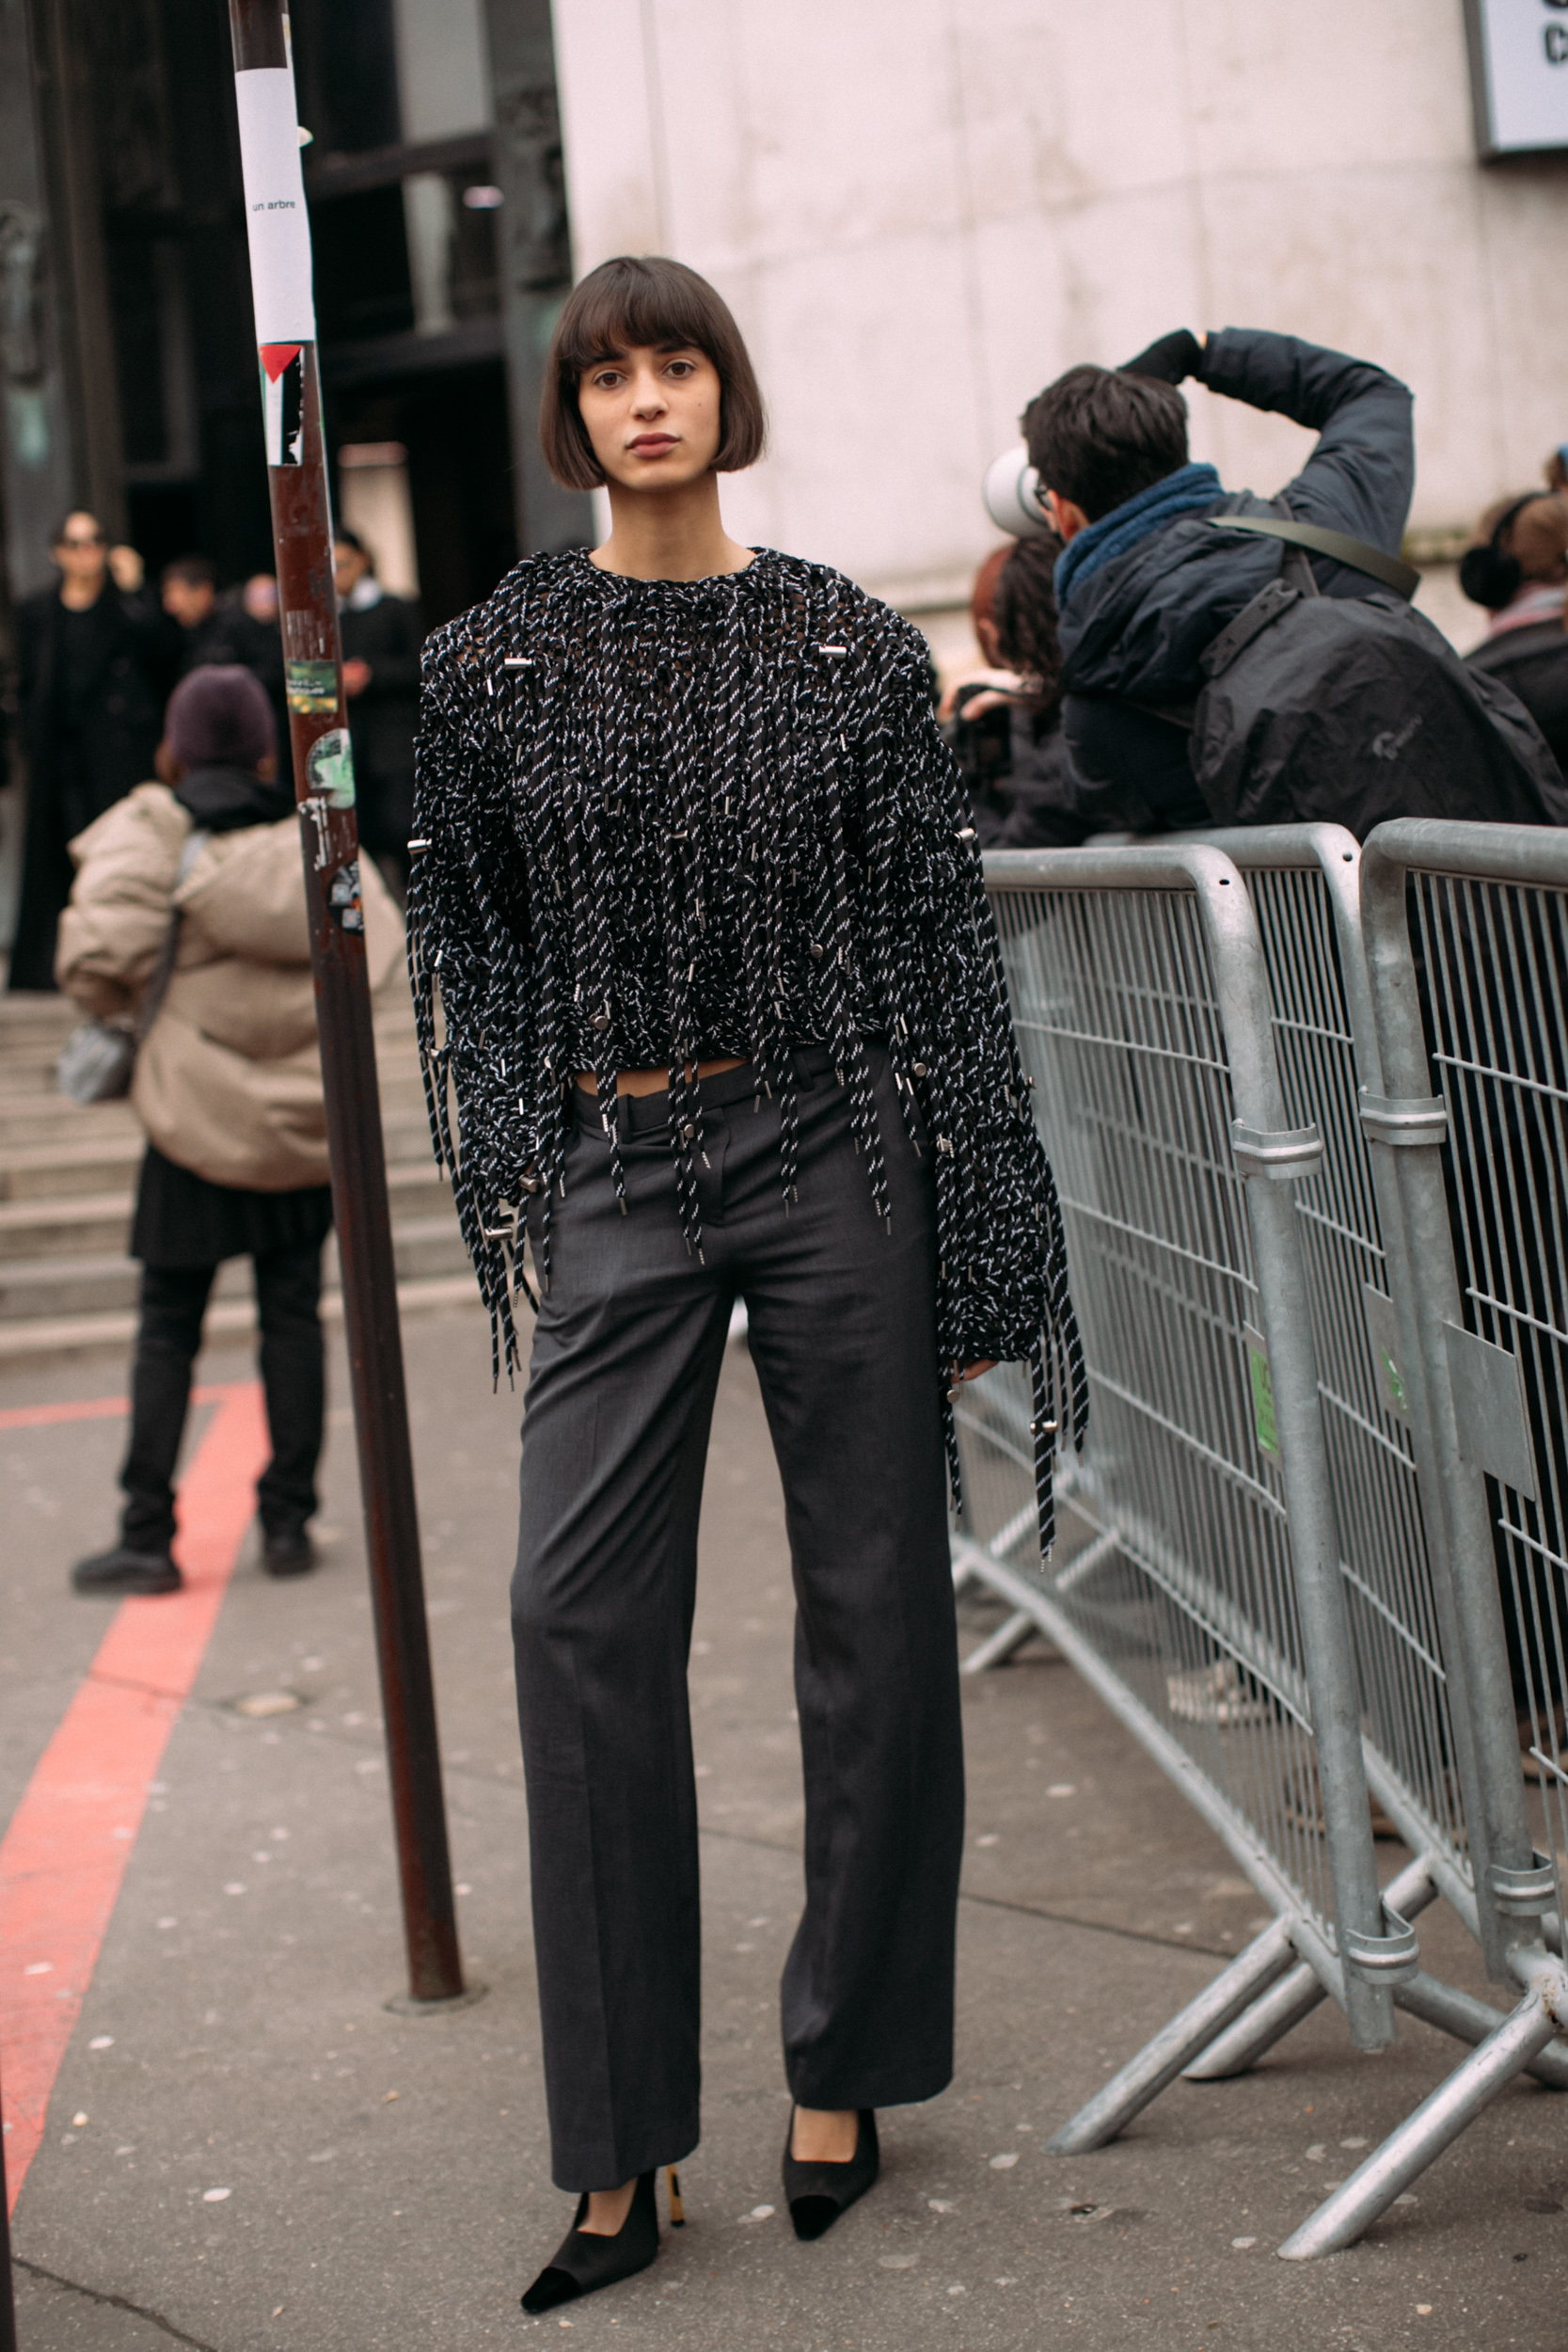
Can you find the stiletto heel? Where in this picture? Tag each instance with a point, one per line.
(673, 2185)
(586, 2261)
(817, 2193)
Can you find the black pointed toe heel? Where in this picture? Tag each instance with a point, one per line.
(585, 2260)
(818, 2193)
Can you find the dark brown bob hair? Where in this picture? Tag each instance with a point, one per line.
(657, 302)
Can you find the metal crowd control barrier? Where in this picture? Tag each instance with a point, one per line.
(1206, 1608)
(1303, 882)
(1479, 1170)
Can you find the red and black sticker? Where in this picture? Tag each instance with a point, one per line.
(284, 401)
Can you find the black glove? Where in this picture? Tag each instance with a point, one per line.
(1171, 359)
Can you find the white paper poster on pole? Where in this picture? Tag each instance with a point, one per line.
(276, 218)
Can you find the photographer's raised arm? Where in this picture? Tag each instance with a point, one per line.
(1360, 477)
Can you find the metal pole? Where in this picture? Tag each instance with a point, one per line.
(324, 774)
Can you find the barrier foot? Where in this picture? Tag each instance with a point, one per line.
(1373, 2187)
(1020, 1627)
(1160, 2061)
(1265, 2022)
(1469, 2020)
(1280, 2012)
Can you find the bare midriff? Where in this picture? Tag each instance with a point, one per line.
(657, 1081)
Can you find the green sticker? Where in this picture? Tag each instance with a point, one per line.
(311, 688)
(329, 768)
(1263, 1401)
(1395, 1381)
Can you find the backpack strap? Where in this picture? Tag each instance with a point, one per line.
(163, 971)
(1403, 577)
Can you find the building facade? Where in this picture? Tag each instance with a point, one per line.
(921, 212)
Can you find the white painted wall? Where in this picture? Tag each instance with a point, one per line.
(922, 211)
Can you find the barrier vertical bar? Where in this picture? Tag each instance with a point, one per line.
(1494, 1809)
(324, 776)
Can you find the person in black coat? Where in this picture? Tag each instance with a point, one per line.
(90, 654)
(381, 678)
(189, 591)
(254, 635)
(1519, 570)
(1143, 586)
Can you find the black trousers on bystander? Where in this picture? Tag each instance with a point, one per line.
(173, 1303)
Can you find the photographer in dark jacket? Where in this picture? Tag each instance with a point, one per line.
(91, 655)
(381, 678)
(1142, 587)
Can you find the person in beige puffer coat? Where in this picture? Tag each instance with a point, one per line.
(227, 1086)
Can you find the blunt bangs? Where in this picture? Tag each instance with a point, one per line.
(653, 301)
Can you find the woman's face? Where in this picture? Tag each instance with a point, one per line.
(652, 416)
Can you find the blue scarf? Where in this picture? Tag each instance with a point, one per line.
(1180, 493)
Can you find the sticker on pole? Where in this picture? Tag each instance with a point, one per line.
(343, 896)
(276, 220)
(283, 401)
(311, 688)
(1264, 1420)
(329, 768)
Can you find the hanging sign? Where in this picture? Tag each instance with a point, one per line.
(1518, 75)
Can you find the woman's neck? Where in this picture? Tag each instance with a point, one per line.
(80, 596)
(668, 534)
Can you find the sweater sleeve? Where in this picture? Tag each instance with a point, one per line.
(1001, 1277)
(467, 958)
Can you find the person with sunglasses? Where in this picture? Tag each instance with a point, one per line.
(90, 651)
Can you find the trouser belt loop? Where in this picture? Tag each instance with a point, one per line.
(623, 1118)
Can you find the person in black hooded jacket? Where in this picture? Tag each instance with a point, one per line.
(1143, 585)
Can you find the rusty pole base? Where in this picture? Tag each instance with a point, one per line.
(405, 2005)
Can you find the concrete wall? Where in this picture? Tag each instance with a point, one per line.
(921, 212)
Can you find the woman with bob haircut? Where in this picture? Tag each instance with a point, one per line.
(722, 1012)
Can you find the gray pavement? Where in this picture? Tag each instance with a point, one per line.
(387, 2177)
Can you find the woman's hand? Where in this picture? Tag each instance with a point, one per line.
(969, 1371)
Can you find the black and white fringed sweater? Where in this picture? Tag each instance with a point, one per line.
(671, 821)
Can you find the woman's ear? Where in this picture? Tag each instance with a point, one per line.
(168, 768)
(267, 768)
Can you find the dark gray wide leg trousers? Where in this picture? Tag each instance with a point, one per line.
(626, 1358)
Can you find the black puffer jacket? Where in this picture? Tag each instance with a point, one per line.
(1533, 660)
(1132, 630)
(1036, 804)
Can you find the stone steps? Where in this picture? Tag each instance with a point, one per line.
(66, 1183)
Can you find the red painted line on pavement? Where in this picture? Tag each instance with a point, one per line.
(89, 1408)
(64, 1855)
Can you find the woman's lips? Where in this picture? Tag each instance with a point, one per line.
(652, 444)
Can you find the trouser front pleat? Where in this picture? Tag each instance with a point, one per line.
(626, 1358)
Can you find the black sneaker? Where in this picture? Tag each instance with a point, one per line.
(123, 1570)
(288, 1553)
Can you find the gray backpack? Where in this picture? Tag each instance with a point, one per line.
(97, 1059)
